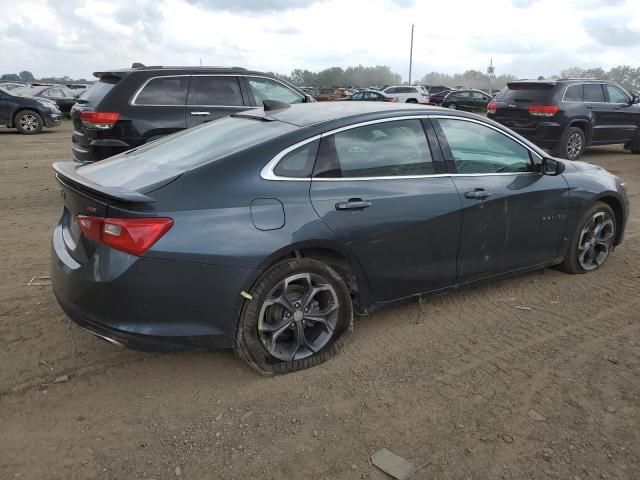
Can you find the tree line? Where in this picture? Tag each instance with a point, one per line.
(361, 76)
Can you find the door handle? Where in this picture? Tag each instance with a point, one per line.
(353, 204)
(478, 194)
(591, 107)
(199, 114)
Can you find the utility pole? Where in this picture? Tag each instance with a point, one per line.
(411, 55)
(490, 71)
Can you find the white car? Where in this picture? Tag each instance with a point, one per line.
(408, 93)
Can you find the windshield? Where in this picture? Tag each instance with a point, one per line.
(183, 151)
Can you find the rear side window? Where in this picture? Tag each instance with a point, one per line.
(164, 91)
(96, 92)
(298, 163)
(573, 93)
(479, 149)
(388, 149)
(593, 92)
(224, 91)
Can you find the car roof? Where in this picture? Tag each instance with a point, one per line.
(31, 89)
(305, 114)
(169, 70)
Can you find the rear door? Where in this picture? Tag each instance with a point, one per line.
(513, 215)
(594, 101)
(214, 96)
(382, 190)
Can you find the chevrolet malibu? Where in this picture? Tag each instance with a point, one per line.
(265, 231)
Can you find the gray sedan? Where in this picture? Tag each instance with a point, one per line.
(265, 231)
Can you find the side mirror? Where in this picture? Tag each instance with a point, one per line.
(552, 167)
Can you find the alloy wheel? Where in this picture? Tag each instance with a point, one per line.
(29, 123)
(453, 106)
(574, 146)
(298, 317)
(596, 240)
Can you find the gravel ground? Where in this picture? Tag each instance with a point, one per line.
(484, 389)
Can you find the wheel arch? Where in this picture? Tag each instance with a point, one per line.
(334, 255)
(616, 205)
(583, 125)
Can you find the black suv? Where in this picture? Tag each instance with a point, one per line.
(28, 114)
(128, 108)
(568, 115)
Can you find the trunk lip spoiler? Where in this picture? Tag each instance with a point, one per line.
(68, 171)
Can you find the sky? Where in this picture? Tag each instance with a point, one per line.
(527, 38)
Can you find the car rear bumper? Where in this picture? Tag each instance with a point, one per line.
(147, 302)
(96, 150)
(544, 134)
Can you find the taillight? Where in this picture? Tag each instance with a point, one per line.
(492, 107)
(99, 120)
(543, 110)
(130, 235)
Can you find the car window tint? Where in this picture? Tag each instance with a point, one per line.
(215, 91)
(479, 149)
(164, 91)
(573, 94)
(616, 95)
(298, 163)
(386, 149)
(357, 96)
(593, 92)
(267, 89)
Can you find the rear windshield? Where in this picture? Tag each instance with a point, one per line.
(183, 151)
(96, 92)
(526, 92)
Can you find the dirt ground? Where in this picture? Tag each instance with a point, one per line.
(483, 389)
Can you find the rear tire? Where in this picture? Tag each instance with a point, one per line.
(572, 144)
(633, 146)
(278, 333)
(28, 122)
(411, 100)
(592, 241)
(452, 106)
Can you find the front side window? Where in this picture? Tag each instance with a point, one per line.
(267, 89)
(616, 95)
(479, 149)
(388, 149)
(358, 96)
(573, 93)
(54, 93)
(299, 162)
(164, 91)
(224, 91)
(593, 92)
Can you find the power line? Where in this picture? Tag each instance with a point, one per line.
(589, 30)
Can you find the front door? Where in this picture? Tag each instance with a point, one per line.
(622, 117)
(214, 96)
(513, 215)
(380, 189)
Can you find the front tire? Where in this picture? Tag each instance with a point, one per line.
(411, 100)
(592, 241)
(300, 315)
(452, 106)
(28, 122)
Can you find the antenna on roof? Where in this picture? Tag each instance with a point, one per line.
(274, 105)
(137, 65)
